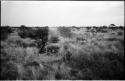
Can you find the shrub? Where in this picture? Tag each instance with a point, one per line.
(40, 34)
(5, 31)
(42, 37)
(26, 32)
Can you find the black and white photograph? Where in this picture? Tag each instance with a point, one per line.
(62, 40)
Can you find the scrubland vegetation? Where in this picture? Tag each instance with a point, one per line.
(64, 53)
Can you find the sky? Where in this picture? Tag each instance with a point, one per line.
(62, 13)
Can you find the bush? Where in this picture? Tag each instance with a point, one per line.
(5, 31)
(40, 34)
(42, 37)
(26, 32)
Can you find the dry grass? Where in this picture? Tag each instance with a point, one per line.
(94, 56)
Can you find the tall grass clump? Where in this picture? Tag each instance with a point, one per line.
(99, 66)
(18, 63)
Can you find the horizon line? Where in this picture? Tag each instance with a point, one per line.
(61, 26)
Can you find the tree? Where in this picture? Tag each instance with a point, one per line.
(112, 25)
